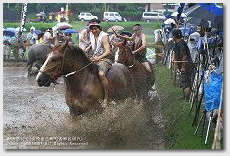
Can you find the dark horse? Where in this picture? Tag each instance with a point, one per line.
(37, 53)
(83, 87)
(144, 80)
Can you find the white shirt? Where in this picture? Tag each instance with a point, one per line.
(97, 46)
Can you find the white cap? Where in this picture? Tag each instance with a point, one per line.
(32, 28)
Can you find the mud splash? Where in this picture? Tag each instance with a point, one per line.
(38, 118)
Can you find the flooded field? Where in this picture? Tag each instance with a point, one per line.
(38, 118)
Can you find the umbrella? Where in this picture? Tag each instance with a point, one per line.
(18, 28)
(174, 14)
(170, 21)
(37, 32)
(115, 28)
(70, 31)
(210, 12)
(63, 26)
(9, 32)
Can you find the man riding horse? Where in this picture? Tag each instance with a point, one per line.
(140, 45)
(101, 53)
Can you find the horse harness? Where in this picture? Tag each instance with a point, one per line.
(55, 77)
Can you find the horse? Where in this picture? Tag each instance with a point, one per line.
(83, 87)
(37, 53)
(143, 79)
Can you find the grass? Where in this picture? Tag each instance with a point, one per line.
(179, 130)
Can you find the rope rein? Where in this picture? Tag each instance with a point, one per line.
(77, 71)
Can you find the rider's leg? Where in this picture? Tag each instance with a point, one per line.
(105, 84)
(147, 66)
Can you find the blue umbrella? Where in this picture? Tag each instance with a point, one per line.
(70, 31)
(37, 32)
(9, 32)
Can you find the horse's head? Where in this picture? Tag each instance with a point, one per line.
(124, 52)
(53, 67)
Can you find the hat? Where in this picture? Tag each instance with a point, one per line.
(94, 24)
(49, 29)
(177, 33)
(32, 28)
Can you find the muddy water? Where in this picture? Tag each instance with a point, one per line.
(38, 118)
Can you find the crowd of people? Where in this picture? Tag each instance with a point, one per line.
(184, 51)
(21, 41)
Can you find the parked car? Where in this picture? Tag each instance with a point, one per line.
(153, 16)
(112, 16)
(86, 16)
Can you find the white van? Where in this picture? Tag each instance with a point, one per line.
(112, 16)
(153, 16)
(86, 16)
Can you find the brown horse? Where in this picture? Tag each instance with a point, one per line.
(143, 79)
(83, 87)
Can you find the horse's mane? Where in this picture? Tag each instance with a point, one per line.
(78, 52)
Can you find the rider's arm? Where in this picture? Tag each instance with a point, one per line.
(107, 48)
(144, 44)
(127, 38)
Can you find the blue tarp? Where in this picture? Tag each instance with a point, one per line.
(9, 32)
(213, 8)
(212, 91)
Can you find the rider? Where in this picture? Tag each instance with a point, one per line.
(102, 53)
(140, 45)
(84, 41)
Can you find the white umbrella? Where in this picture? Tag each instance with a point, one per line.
(63, 23)
(18, 28)
(115, 28)
(174, 14)
(170, 21)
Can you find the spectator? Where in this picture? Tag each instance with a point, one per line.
(31, 36)
(182, 60)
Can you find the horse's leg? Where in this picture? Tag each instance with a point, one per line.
(29, 69)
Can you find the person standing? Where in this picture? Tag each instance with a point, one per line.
(19, 42)
(48, 38)
(183, 61)
(31, 36)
